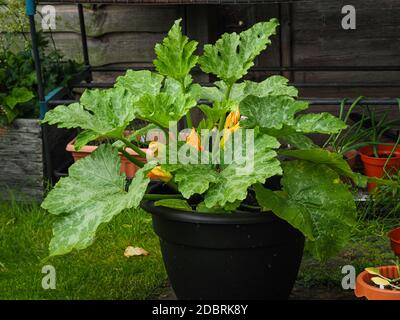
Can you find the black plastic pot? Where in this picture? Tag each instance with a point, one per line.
(227, 256)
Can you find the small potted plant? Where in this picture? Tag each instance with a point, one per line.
(224, 231)
(379, 158)
(381, 283)
(79, 152)
(347, 141)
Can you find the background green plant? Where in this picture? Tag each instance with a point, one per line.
(14, 24)
(369, 129)
(18, 84)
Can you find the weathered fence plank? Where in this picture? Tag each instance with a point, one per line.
(112, 18)
(319, 40)
(21, 161)
(111, 48)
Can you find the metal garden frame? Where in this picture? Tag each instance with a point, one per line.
(84, 78)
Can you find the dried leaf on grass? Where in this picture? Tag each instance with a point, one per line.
(135, 251)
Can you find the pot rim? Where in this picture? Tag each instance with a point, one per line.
(360, 282)
(89, 149)
(237, 217)
(366, 155)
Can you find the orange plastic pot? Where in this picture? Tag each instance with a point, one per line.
(373, 167)
(365, 287)
(127, 167)
(394, 237)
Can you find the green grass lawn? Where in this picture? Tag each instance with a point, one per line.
(99, 272)
(103, 272)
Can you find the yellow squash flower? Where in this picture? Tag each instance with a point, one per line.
(227, 134)
(194, 140)
(160, 174)
(232, 119)
(231, 125)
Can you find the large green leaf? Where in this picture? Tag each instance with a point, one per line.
(232, 185)
(286, 208)
(84, 137)
(277, 112)
(290, 136)
(319, 123)
(104, 112)
(174, 204)
(93, 193)
(315, 201)
(271, 112)
(212, 93)
(18, 95)
(163, 107)
(175, 56)
(334, 160)
(298, 140)
(272, 86)
(140, 82)
(232, 55)
(192, 179)
(218, 92)
(7, 115)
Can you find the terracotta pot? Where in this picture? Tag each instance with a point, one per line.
(351, 157)
(127, 167)
(365, 287)
(394, 237)
(373, 167)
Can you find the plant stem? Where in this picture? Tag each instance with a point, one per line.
(155, 197)
(188, 115)
(391, 155)
(374, 132)
(189, 121)
(223, 117)
(135, 148)
(132, 159)
(160, 126)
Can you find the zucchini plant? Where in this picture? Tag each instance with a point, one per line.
(313, 197)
